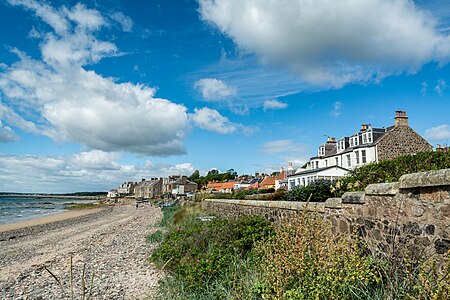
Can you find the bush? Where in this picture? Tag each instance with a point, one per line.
(317, 191)
(392, 170)
(200, 252)
(304, 260)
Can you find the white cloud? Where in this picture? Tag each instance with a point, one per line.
(332, 43)
(424, 88)
(438, 133)
(274, 104)
(7, 134)
(212, 120)
(337, 109)
(440, 87)
(279, 146)
(86, 171)
(287, 150)
(123, 20)
(214, 89)
(65, 101)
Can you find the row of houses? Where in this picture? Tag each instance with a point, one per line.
(258, 182)
(334, 159)
(167, 187)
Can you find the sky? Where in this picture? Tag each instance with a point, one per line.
(95, 93)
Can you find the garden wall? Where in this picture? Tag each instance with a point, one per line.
(416, 210)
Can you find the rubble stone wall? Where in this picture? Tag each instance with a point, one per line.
(416, 209)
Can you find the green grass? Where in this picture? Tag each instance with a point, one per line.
(247, 258)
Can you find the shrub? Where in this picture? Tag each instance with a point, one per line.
(200, 252)
(317, 191)
(392, 170)
(304, 260)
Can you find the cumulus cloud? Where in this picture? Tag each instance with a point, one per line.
(332, 43)
(86, 171)
(438, 133)
(215, 90)
(274, 104)
(211, 120)
(65, 101)
(337, 109)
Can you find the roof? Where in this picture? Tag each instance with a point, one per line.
(228, 185)
(268, 181)
(309, 171)
(214, 185)
(281, 176)
(253, 186)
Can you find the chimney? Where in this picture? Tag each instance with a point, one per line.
(331, 140)
(400, 118)
(364, 127)
(439, 148)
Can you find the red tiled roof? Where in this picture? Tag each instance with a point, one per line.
(227, 185)
(268, 181)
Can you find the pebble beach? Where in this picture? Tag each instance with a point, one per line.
(108, 245)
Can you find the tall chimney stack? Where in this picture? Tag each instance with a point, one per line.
(400, 118)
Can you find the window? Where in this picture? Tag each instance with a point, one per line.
(351, 142)
(304, 181)
(369, 137)
(326, 162)
(317, 164)
(364, 138)
(337, 161)
(349, 162)
(363, 156)
(357, 157)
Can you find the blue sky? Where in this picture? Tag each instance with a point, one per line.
(94, 93)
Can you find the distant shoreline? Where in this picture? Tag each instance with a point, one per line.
(53, 196)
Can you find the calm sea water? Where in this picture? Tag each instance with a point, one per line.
(17, 209)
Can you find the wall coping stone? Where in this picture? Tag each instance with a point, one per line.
(425, 179)
(353, 197)
(382, 189)
(333, 203)
(311, 206)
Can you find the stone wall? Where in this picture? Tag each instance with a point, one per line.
(416, 209)
(401, 140)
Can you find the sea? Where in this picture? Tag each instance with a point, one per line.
(17, 208)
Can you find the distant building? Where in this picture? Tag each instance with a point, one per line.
(147, 189)
(181, 186)
(335, 158)
(126, 188)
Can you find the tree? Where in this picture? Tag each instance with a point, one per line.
(195, 175)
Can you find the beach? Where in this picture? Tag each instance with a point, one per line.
(108, 243)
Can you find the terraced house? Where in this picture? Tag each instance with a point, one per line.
(335, 158)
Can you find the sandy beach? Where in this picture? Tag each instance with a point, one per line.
(109, 242)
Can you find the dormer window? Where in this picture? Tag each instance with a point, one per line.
(341, 145)
(369, 137)
(321, 151)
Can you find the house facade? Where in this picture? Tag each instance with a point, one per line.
(369, 144)
(181, 186)
(147, 189)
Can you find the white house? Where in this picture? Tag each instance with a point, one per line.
(303, 177)
(369, 144)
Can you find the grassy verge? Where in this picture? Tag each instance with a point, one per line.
(249, 258)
